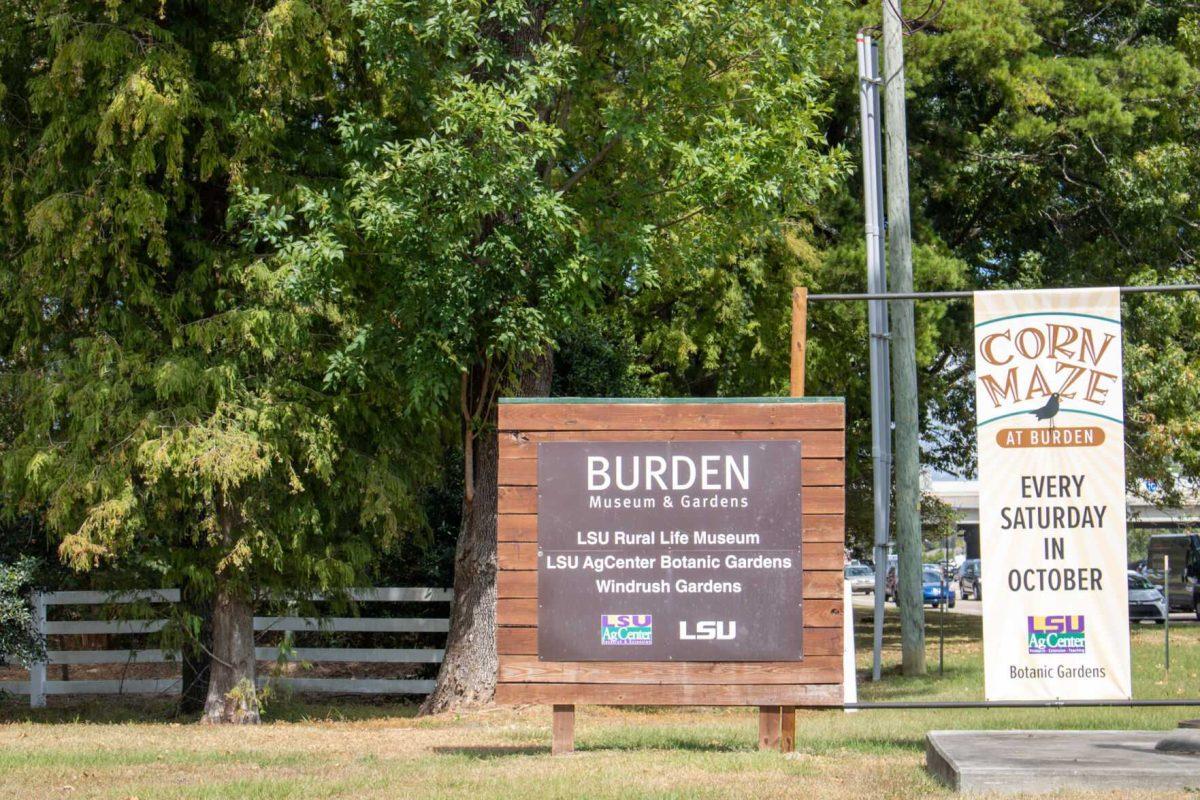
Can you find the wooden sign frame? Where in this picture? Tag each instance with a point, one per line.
(777, 688)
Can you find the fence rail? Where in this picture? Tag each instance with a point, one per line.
(38, 687)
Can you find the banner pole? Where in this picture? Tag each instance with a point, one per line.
(1167, 616)
(945, 600)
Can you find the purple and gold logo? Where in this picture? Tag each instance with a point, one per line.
(1056, 634)
(626, 629)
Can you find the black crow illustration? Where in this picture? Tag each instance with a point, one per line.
(1048, 411)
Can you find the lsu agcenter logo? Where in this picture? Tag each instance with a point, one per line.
(709, 629)
(626, 629)
(1056, 634)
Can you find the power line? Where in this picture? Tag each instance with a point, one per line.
(963, 294)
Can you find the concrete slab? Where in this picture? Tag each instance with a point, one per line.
(1038, 762)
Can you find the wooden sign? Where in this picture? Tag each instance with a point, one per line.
(779, 562)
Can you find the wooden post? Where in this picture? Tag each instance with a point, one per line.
(563, 738)
(787, 737)
(787, 714)
(799, 338)
(768, 727)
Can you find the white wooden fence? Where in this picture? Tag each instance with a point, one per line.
(38, 687)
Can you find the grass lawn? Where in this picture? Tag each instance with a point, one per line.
(116, 749)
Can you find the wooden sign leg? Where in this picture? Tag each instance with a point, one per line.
(563, 728)
(768, 727)
(787, 737)
(799, 339)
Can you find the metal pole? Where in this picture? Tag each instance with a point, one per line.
(967, 294)
(903, 704)
(945, 601)
(1167, 620)
(881, 383)
(907, 465)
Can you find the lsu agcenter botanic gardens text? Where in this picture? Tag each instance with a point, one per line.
(100, 749)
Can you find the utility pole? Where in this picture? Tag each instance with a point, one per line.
(904, 359)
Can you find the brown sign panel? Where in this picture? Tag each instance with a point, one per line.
(669, 551)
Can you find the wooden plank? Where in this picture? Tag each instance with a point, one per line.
(529, 669)
(516, 583)
(401, 594)
(813, 472)
(813, 499)
(516, 641)
(358, 685)
(823, 584)
(823, 528)
(815, 528)
(823, 613)
(394, 594)
(374, 655)
(72, 597)
(818, 585)
(361, 624)
(128, 686)
(823, 556)
(768, 727)
(71, 627)
(675, 416)
(516, 611)
(614, 694)
(106, 657)
(563, 730)
(517, 555)
(523, 641)
(516, 527)
(822, 642)
(813, 444)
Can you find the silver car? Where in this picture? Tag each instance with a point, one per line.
(1145, 600)
(861, 579)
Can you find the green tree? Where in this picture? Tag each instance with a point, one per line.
(524, 164)
(182, 413)
(19, 639)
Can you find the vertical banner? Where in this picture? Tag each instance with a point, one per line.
(1051, 435)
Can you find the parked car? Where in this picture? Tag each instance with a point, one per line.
(860, 578)
(968, 580)
(932, 582)
(1184, 552)
(936, 589)
(1145, 600)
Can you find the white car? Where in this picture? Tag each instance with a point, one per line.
(1146, 601)
(861, 579)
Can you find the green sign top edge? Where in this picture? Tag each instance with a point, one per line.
(665, 400)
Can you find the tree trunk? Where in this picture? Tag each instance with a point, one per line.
(468, 674)
(232, 696)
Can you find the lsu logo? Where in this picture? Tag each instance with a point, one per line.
(1055, 634)
(709, 629)
(626, 629)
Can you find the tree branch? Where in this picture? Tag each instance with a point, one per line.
(578, 174)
